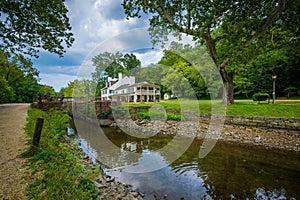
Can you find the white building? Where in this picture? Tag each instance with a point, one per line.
(126, 90)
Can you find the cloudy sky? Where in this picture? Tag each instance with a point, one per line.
(98, 26)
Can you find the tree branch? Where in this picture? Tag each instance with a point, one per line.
(164, 14)
(211, 47)
(220, 37)
(264, 29)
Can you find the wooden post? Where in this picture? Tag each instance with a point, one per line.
(38, 131)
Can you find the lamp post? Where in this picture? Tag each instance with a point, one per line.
(274, 78)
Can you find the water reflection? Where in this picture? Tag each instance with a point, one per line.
(228, 172)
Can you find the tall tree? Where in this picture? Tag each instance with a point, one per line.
(228, 28)
(6, 92)
(189, 81)
(110, 64)
(18, 78)
(49, 90)
(28, 25)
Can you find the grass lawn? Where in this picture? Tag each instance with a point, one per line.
(282, 108)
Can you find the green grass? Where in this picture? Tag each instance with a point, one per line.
(56, 163)
(294, 98)
(281, 108)
(156, 114)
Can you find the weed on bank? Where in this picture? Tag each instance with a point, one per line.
(58, 172)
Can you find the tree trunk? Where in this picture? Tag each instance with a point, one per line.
(227, 87)
(228, 92)
(226, 78)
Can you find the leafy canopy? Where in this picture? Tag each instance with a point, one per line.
(239, 22)
(17, 78)
(29, 25)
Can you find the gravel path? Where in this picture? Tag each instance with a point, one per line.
(13, 168)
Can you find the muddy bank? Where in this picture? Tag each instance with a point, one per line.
(268, 137)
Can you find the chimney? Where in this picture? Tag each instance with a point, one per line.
(120, 76)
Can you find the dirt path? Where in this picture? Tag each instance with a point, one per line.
(12, 144)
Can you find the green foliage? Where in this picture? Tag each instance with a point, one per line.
(142, 114)
(291, 90)
(84, 88)
(260, 97)
(46, 89)
(18, 79)
(176, 117)
(152, 74)
(222, 25)
(157, 114)
(181, 77)
(67, 91)
(110, 64)
(6, 92)
(57, 162)
(27, 26)
(79, 88)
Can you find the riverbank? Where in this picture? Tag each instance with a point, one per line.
(268, 137)
(110, 188)
(60, 170)
(223, 168)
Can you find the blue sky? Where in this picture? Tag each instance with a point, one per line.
(94, 24)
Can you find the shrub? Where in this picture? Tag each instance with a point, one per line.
(158, 115)
(260, 97)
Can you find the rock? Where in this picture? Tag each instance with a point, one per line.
(105, 122)
(98, 185)
(135, 194)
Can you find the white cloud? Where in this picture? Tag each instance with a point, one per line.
(94, 21)
(150, 57)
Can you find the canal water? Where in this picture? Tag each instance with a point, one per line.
(229, 171)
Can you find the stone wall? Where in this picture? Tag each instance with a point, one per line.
(103, 111)
(251, 121)
(267, 122)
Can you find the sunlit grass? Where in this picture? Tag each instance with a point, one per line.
(281, 108)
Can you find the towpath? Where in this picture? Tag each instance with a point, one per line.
(13, 168)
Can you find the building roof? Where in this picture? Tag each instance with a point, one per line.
(144, 84)
(123, 87)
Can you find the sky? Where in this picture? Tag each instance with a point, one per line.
(98, 26)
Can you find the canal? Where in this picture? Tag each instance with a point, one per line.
(229, 171)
